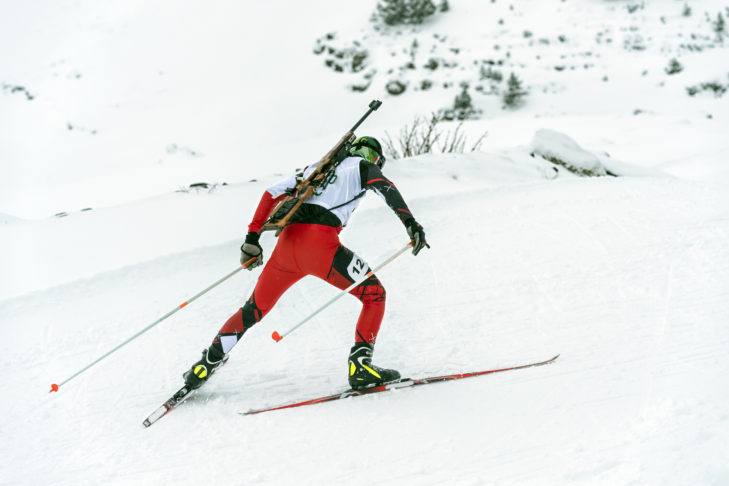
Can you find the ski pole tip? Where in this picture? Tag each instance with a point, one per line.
(54, 388)
(276, 336)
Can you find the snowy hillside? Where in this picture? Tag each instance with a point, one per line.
(109, 112)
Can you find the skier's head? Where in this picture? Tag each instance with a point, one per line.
(369, 149)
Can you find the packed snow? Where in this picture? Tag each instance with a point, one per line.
(111, 115)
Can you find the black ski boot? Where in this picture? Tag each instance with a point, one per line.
(202, 370)
(362, 373)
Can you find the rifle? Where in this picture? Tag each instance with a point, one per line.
(305, 188)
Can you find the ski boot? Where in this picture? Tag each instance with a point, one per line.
(199, 372)
(362, 373)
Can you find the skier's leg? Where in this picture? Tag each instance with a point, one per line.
(341, 267)
(345, 269)
(271, 285)
(318, 252)
(277, 277)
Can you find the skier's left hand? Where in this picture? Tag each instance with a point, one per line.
(251, 249)
(416, 234)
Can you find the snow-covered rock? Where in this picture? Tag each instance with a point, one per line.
(560, 149)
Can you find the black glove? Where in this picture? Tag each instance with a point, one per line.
(251, 249)
(416, 234)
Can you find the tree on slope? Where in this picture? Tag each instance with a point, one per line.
(394, 12)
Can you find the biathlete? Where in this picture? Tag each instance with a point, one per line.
(310, 245)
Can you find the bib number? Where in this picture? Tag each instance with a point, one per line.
(357, 268)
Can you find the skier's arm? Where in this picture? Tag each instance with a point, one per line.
(251, 252)
(263, 211)
(372, 178)
(270, 198)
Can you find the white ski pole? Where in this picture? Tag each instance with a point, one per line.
(278, 337)
(54, 387)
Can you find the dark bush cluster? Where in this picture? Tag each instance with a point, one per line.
(397, 12)
(674, 67)
(350, 58)
(515, 93)
(462, 109)
(715, 87)
(13, 88)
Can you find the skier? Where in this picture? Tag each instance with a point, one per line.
(310, 246)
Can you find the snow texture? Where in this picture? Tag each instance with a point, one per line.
(125, 105)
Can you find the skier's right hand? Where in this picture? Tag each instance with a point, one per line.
(416, 234)
(251, 249)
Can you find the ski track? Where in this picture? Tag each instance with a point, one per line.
(635, 299)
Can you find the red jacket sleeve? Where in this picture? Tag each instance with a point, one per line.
(263, 211)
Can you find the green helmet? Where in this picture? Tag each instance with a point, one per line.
(369, 149)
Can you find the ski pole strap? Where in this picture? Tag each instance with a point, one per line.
(278, 337)
(55, 387)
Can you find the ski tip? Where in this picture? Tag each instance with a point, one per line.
(276, 336)
(54, 388)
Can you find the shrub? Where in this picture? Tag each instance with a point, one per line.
(395, 12)
(425, 135)
(673, 67)
(514, 92)
(486, 72)
(463, 100)
(462, 107)
(718, 25)
(717, 88)
(419, 9)
(11, 88)
(395, 87)
(392, 12)
(340, 56)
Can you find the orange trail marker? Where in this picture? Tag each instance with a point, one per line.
(276, 336)
(54, 388)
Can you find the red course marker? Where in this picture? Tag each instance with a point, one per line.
(54, 388)
(276, 336)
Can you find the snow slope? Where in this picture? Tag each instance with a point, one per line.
(626, 277)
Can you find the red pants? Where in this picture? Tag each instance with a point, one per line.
(309, 249)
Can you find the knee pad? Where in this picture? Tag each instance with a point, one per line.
(251, 313)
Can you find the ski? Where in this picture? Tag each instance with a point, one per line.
(402, 383)
(179, 396)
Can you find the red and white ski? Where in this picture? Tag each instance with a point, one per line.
(402, 383)
(179, 396)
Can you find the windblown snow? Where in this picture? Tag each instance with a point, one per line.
(624, 274)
